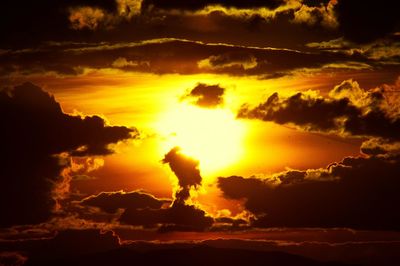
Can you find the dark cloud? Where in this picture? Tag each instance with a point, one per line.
(232, 222)
(112, 201)
(186, 169)
(315, 3)
(206, 95)
(47, 19)
(356, 192)
(178, 217)
(165, 56)
(38, 139)
(193, 5)
(348, 110)
(380, 147)
(91, 21)
(366, 21)
(212, 252)
(143, 209)
(12, 258)
(147, 211)
(65, 243)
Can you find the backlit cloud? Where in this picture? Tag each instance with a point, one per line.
(204, 95)
(37, 144)
(347, 110)
(356, 193)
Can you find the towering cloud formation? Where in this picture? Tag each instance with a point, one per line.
(35, 132)
(348, 110)
(206, 95)
(179, 216)
(186, 170)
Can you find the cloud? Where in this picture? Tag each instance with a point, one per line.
(92, 17)
(241, 61)
(121, 62)
(192, 5)
(38, 140)
(73, 241)
(64, 244)
(379, 18)
(210, 252)
(142, 209)
(380, 147)
(178, 217)
(112, 201)
(86, 17)
(204, 95)
(356, 193)
(322, 14)
(385, 51)
(166, 56)
(348, 110)
(12, 258)
(186, 169)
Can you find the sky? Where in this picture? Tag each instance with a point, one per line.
(259, 125)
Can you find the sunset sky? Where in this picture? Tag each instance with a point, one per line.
(196, 120)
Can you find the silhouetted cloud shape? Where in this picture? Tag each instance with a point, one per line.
(112, 201)
(348, 110)
(178, 217)
(186, 170)
(142, 209)
(356, 192)
(35, 132)
(206, 95)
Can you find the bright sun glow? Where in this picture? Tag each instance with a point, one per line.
(212, 136)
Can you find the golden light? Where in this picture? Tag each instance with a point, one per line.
(212, 136)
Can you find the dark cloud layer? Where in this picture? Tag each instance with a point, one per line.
(193, 5)
(165, 56)
(356, 192)
(206, 95)
(35, 131)
(348, 110)
(112, 201)
(178, 217)
(110, 20)
(93, 247)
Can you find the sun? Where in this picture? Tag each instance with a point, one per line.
(212, 136)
